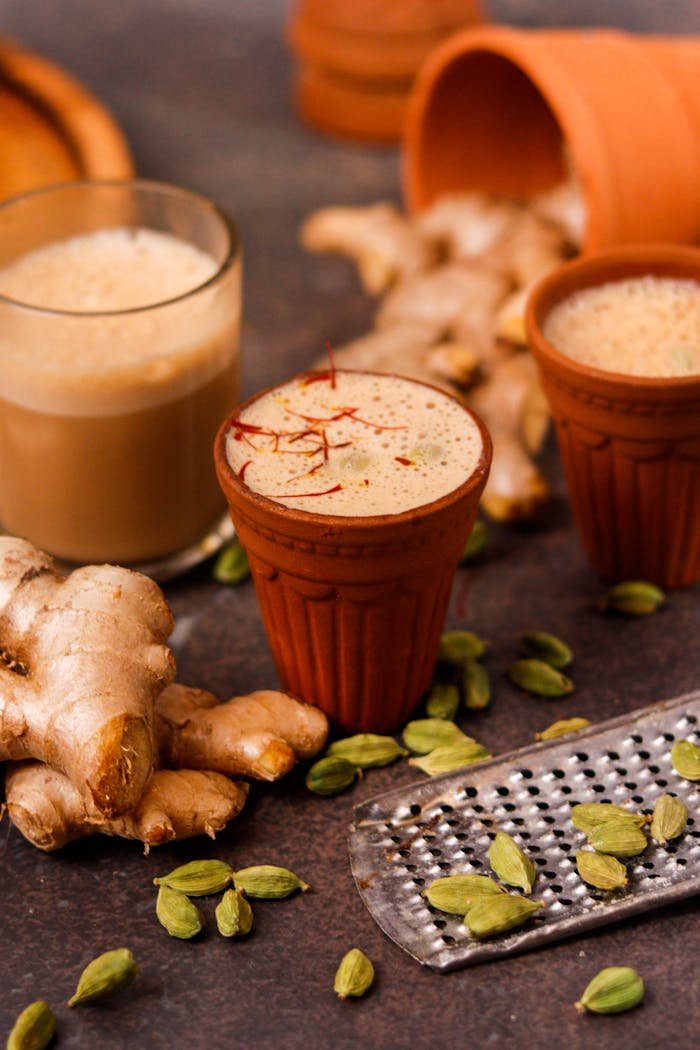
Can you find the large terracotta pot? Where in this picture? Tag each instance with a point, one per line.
(353, 607)
(357, 58)
(504, 110)
(630, 445)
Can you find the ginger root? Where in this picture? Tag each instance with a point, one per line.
(88, 709)
(261, 735)
(455, 315)
(176, 804)
(82, 660)
(512, 405)
(381, 241)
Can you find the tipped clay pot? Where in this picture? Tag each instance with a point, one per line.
(508, 111)
(357, 59)
(354, 607)
(630, 445)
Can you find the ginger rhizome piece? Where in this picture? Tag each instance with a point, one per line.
(88, 709)
(378, 238)
(197, 740)
(260, 735)
(83, 658)
(453, 313)
(176, 804)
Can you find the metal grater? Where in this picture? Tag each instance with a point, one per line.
(402, 840)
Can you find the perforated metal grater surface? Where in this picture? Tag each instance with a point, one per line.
(402, 840)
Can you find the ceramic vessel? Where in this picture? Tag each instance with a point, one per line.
(357, 60)
(354, 607)
(630, 445)
(505, 110)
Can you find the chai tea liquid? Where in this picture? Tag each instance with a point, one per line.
(109, 405)
(643, 326)
(354, 444)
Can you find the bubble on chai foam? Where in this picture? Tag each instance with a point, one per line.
(373, 444)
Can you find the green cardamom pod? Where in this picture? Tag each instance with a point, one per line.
(425, 734)
(34, 1028)
(106, 975)
(450, 757)
(540, 645)
(354, 976)
(669, 819)
(620, 838)
(603, 872)
(443, 701)
(685, 759)
(176, 912)
(331, 775)
(476, 544)
(234, 915)
(562, 727)
(199, 878)
(268, 882)
(632, 598)
(367, 750)
(587, 816)
(458, 646)
(535, 676)
(232, 564)
(612, 991)
(510, 864)
(456, 893)
(498, 914)
(476, 686)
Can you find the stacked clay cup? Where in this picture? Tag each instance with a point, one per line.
(357, 59)
(513, 111)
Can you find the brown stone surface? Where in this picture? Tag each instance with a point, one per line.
(201, 89)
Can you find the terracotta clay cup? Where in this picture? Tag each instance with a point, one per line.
(354, 607)
(508, 111)
(630, 445)
(357, 58)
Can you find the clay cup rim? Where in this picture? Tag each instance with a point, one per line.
(612, 264)
(334, 523)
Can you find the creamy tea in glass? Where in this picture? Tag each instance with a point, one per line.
(119, 325)
(353, 494)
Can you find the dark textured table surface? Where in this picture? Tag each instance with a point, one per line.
(202, 89)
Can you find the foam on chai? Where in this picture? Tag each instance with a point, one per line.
(643, 326)
(353, 444)
(111, 393)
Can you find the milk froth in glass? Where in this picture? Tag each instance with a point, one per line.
(353, 444)
(119, 318)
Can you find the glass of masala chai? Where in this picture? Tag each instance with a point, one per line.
(353, 494)
(616, 335)
(119, 325)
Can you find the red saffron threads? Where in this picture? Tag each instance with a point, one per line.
(345, 413)
(327, 374)
(331, 359)
(243, 469)
(404, 462)
(303, 495)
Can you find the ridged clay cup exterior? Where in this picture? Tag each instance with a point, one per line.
(630, 445)
(353, 607)
(505, 110)
(357, 58)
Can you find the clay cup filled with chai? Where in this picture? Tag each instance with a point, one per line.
(617, 339)
(353, 494)
(119, 320)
